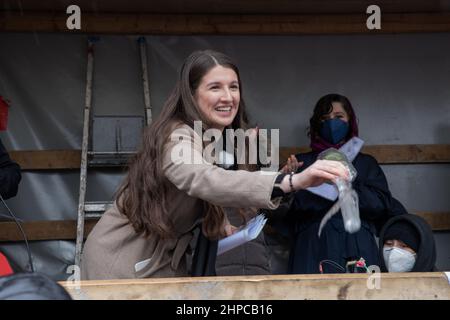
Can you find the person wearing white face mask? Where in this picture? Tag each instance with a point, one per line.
(407, 245)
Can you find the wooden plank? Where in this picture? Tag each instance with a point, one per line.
(225, 24)
(66, 229)
(393, 154)
(439, 221)
(385, 154)
(229, 6)
(44, 230)
(47, 159)
(417, 153)
(392, 286)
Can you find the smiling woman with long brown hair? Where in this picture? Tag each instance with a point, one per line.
(161, 201)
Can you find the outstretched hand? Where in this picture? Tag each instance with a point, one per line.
(322, 171)
(319, 172)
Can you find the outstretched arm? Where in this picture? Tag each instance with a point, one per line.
(185, 167)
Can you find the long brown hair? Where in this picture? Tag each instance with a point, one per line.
(142, 196)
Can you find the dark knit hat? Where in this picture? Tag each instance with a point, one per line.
(404, 231)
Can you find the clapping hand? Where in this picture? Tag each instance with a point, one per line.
(291, 165)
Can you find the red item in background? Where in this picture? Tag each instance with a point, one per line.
(5, 268)
(4, 106)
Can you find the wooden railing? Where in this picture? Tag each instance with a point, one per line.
(355, 286)
(67, 229)
(225, 24)
(70, 160)
(385, 154)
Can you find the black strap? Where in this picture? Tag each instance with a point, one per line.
(277, 191)
(204, 260)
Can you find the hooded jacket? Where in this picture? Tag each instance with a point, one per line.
(426, 254)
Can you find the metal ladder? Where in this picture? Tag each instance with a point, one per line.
(90, 155)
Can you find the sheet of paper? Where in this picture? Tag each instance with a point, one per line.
(247, 233)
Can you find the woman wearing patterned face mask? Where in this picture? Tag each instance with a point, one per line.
(407, 245)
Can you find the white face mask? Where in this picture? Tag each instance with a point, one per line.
(398, 260)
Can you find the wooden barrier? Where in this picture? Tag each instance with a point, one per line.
(70, 159)
(438, 221)
(385, 154)
(225, 24)
(392, 154)
(66, 229)
(47, 159)
(44, 230)
(392, 286)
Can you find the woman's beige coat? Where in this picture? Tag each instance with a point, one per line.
(114, 250)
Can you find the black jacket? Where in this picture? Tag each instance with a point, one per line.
(308, 209)
(250, 258)
(9, 174)
(426, 254)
